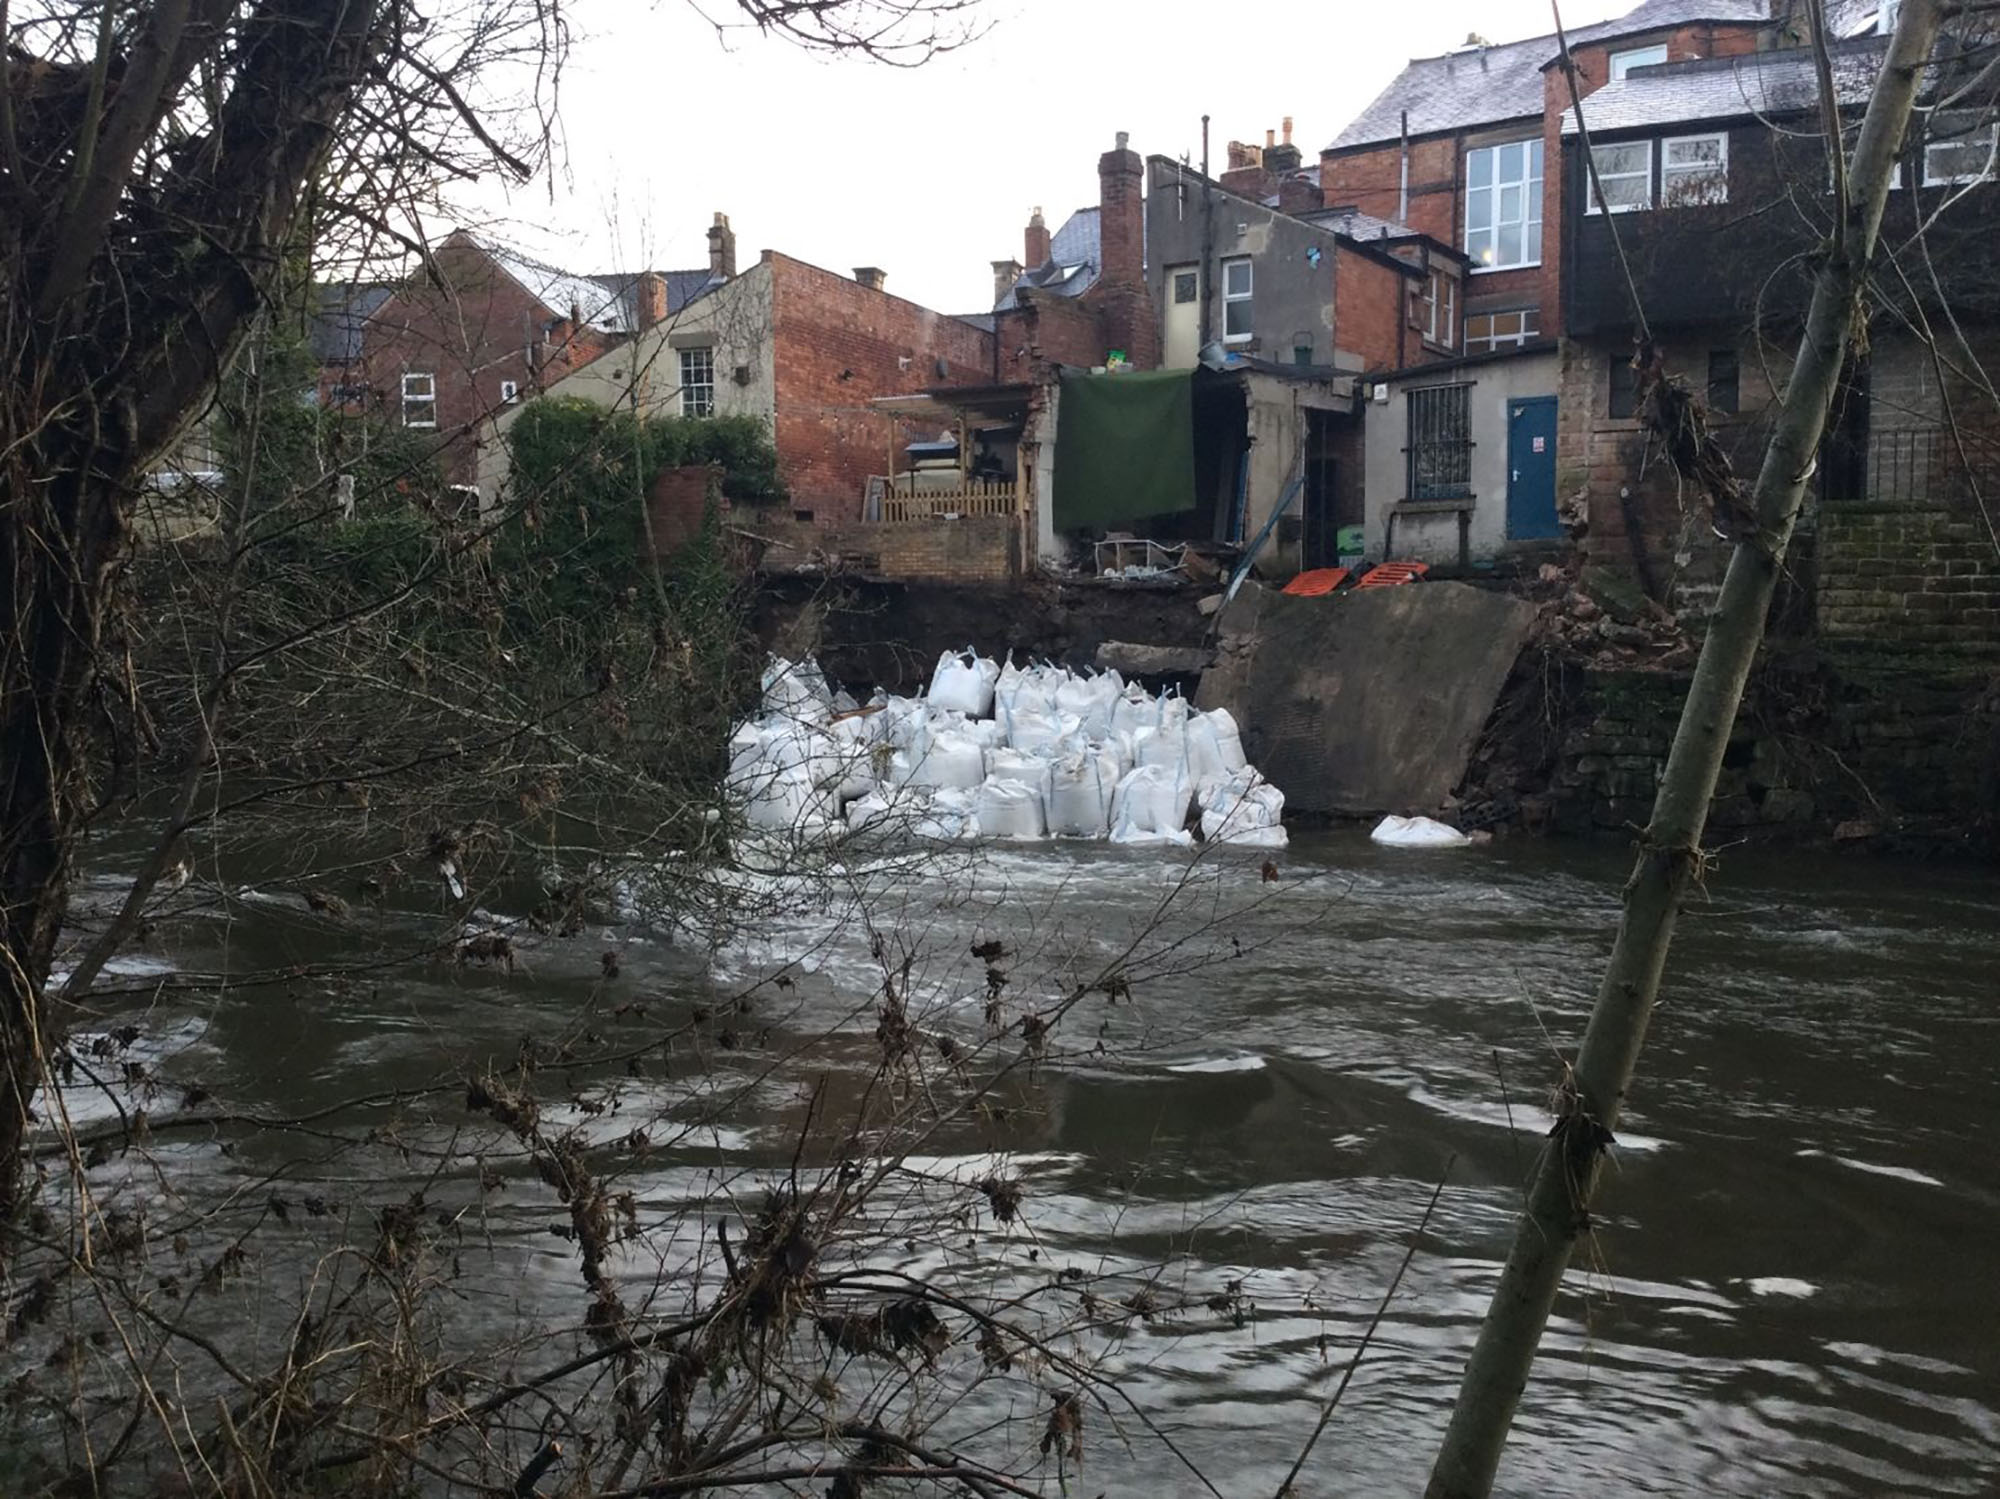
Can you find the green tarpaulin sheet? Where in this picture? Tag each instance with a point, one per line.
(1124, 448)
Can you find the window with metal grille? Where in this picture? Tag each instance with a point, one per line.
(1440, 448)
(697, 382)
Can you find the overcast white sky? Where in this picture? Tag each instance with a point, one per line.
(931, 173)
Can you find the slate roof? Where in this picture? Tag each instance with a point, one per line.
(340, 318)
(1355, 224)
(1724, 88)
(1076, 256)
(1484, 85)
(607, 302)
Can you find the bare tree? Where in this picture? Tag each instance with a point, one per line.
(1557, 1212)
(159, 162)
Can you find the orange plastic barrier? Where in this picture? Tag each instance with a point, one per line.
(1389, 574)
(1310, 585)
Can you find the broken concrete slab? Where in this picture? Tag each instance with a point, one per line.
(1370, 701)
(1134, 660)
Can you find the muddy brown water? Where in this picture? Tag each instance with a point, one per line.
(1795, 1287)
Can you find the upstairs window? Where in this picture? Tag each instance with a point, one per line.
(510, 392)
(1440, 450)
(1624, 388)
(1638, 57)
(1487, 331)
(1236, 280)
(420, 400)
(1959, 152)
(1503, 205)
(1624, 176)
(1434, 309)
(1694, 169)
(697, 382)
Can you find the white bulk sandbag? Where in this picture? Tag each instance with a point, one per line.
(1020, 767)
(1174, 712)
(1116, 752)
(786, 801)
(872, 810)
(904, 722)
(964, 682)
(1079, 802)
(1009, 809)
(1135, 709)
(1204, 751)
(794, 746)
(1228, 738)
(949, 815)
(746, 747)
(1242, 808)
(1150, 803)
(1045, 734)
(989, 732)
(954, 761)
(1090, 699)
(795, 689)
(1163, 746)
(1417, 832)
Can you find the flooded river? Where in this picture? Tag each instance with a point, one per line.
(1795, 1286)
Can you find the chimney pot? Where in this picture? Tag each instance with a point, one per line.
(870, 276)
(1005, 274)
(1124, 140)
(721, 249)
(1288, 130)
(1270, 139)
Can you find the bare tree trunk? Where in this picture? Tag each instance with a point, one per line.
(1559, 1198)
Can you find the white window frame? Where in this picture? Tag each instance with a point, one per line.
(1493, 342)
(510, 392)
(423, 399)
(1439, 297)
(1959, 143)
(1246, 298)
(1637, 57)
(1599, 175)
(1530, 183)
(1716, 172)
(702, 354)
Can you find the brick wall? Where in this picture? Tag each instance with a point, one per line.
(1120, 299)
(1046, 330)
(972, 549)
(1895, 576)
(472, 328)
(1638, 517)
(837, 346)
(677, 504)
(1369, 311)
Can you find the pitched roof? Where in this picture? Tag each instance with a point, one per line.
(1355, 224)
(607, 302)
(342, 312)
(1485, 85)
(1076, 256)
(1724, 88)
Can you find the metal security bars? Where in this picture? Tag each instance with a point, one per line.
(1440, 442)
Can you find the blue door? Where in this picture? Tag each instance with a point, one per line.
(1531, 469)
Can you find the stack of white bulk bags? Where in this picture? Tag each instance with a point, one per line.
(1243, 808)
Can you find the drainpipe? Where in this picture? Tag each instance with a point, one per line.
(1403, 189)
(1207, 242)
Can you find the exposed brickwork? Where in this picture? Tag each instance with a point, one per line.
(972, 549)
(472, 328)
(1120, 298)
(676, 506)
(1901, 576)
(1369, 311)
(837, 346)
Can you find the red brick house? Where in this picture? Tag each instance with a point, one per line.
(1464, 147)
(802, 348)
(482, 327)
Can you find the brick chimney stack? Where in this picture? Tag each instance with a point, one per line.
(721, 249)
(871, 276)
(1005, 274)
(1035, 244)
(650, 295)
(1125, 306)
(1283, 157)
